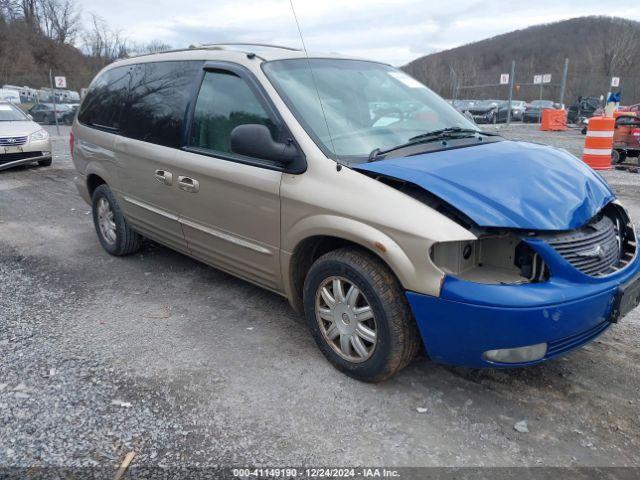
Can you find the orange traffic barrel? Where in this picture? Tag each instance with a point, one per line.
(598, 144)
(553, 120)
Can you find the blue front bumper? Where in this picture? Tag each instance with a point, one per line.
(566, 312)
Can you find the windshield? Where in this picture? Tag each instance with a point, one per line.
(9, 113)
(365, 105)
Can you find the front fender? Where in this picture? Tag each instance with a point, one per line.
(419, 276)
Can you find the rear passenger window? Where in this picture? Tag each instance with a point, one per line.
(158, 100)
(224, 102)
(106, 98)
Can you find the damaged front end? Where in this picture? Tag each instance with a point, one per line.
(513, 298)
(554, 262)
(604, 245)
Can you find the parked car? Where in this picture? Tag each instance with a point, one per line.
(583, 107)
(635, 108)
(464, 105)
(533, 112)
(626, 138)
(490, 111)
(21, 139)
(68, 116)
(419, 229)
(517, 109)
(46, 113)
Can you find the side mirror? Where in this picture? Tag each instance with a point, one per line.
(254, 140)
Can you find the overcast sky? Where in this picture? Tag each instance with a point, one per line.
(395, 31)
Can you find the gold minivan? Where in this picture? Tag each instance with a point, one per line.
(386, 217)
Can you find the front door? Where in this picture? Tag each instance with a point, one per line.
(230, 205)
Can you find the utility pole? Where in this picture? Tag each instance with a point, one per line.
(563, 85)
(53, 94)
(511, 83)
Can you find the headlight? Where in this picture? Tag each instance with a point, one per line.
(40, 135)
(503, 259)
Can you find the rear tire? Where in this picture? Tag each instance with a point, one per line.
(114, 233)
(387, 331)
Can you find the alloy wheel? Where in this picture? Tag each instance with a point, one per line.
(346, 319)
(106, 221)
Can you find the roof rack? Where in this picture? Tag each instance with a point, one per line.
(222, 45)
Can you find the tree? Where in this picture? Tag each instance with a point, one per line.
(60, 20)
(100, 42)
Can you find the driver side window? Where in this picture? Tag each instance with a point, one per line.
(224, 102)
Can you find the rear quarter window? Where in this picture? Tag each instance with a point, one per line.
(103, 105)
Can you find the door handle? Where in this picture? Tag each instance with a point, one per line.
(164, 177)
(188, 184)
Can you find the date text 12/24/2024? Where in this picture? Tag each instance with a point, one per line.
(291, 472)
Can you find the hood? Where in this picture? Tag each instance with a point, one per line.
(506, 184)
(17, 129)
(480, 109)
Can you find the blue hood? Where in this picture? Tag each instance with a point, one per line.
(506, 184)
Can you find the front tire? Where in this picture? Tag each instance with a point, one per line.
(114, 233)
(45, 163)
(359, 316)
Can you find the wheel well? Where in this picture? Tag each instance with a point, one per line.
(93, 182)
(307, 252)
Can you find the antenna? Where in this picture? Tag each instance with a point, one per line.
(315, 84)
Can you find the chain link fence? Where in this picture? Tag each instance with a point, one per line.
(560, 84)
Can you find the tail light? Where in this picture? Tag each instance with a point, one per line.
(635, 132)
(72, 142)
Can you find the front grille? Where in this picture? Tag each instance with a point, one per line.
(12, 141)
(600, 248)
(562, 345)
(12, 157)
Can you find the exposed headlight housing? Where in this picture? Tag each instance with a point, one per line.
(40, 135)
(502, 259)
(530, 353)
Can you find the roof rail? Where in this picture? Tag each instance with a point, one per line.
(219, 46)
(222, 45)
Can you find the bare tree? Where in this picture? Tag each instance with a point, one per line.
(59, 19)
(30, 13)
(156, 46)
(100, 42)
(10, 10)
(619, 47)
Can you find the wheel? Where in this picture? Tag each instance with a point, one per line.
(617, 157)
(51, 120)
(584, 130)
(114, 233)
(359, 316)
(45, 163)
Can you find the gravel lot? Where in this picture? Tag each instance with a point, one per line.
(185, 365)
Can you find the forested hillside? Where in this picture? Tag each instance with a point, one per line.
(598, 48)
(38, 35)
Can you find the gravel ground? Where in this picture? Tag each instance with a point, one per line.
(159, 354)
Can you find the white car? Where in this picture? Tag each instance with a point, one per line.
(21, 139)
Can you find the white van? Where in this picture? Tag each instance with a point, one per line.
(10, 96)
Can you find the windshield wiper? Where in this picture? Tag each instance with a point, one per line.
(435, 135)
